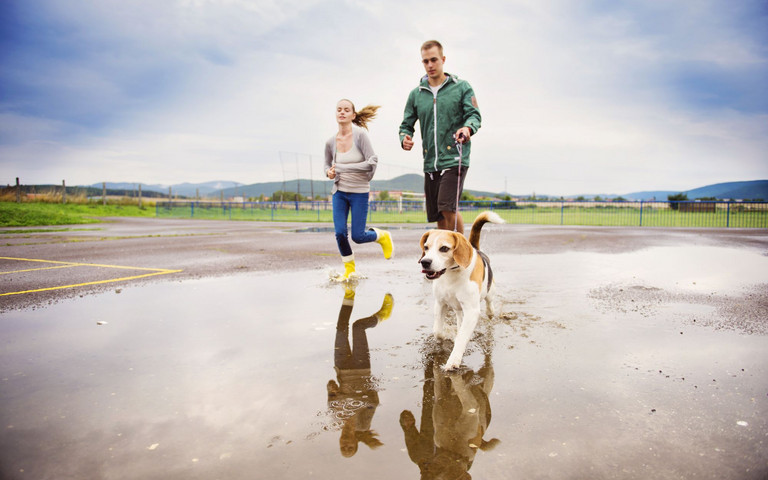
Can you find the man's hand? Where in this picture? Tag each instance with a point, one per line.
(407, 142)
(462, 134)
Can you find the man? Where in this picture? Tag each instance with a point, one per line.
(447, 112)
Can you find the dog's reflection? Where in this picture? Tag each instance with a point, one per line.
(455, 415)
(353, 398)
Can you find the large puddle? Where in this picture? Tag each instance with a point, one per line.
(651, 364)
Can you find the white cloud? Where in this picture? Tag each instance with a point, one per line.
(575, 99)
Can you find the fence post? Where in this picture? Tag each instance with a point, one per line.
(728, 216)
(63, 191)
(103, 193)
(18, 191)
(192, 209)
(139, 195)
(562, 210)
(641, 213)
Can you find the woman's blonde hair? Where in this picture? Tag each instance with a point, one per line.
(363, 116)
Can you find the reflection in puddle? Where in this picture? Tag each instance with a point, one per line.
(353, 397)
(455, 414)
(225, 378)
(314, 230)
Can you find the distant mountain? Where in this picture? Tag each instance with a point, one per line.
(205, 189)
(751, 190)
(128, 186)
(411, 182)
(732, 190)
(182, 189)
(660, 195)
(255, 190)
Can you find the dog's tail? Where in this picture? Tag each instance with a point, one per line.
(477, 225)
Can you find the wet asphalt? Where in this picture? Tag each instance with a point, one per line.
(194, 349)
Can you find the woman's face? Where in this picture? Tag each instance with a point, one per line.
(344, 111)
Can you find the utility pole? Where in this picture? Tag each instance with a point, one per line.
(311, 180)
(298, 182)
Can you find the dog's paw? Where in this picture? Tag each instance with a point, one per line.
(451, 365)
(440, 334)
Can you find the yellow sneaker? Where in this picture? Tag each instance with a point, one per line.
(349, 268)
(386, 308)
(385, 240)
(349, 293)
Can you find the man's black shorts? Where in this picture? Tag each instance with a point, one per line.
(440, 191)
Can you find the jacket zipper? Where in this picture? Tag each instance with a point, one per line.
(434, 128)
(434, 114)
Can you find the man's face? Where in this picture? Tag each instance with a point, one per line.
(433, 62)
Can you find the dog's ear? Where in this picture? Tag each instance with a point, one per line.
(421, 244)
(462, 253)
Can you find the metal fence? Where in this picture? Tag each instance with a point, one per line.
(699, 214)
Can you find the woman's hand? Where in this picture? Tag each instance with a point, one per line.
(331, 172)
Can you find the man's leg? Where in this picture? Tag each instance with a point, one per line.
(448, 220)
(450, 217)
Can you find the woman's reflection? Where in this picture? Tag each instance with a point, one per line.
(455, 415)
(353, 400)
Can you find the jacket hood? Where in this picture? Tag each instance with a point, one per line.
(424, 81)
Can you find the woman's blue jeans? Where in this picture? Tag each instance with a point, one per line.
(357, 204)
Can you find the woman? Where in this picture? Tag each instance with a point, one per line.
(351, 162)
(352, 401)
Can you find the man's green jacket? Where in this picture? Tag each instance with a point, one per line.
(439, 117)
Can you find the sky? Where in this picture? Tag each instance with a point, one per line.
(576, 97)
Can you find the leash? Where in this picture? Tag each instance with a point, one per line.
(459, 146)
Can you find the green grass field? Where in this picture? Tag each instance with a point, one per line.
(724, 216)
(548, 215)
(30, 214)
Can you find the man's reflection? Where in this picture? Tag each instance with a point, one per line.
(353, 400)
(455, 414)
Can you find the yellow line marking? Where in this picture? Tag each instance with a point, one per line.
(82, 264)
(38, 269)
(33, 260)
(122, 279)
(155, 271)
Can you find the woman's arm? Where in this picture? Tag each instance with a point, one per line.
(363, 142)
(328, 156)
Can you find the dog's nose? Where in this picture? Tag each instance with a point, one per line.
(425, 263)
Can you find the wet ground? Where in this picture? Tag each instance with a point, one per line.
(636, 362)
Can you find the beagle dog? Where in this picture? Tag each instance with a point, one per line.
(461, 277)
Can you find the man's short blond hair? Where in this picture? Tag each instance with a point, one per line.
(432, 43)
